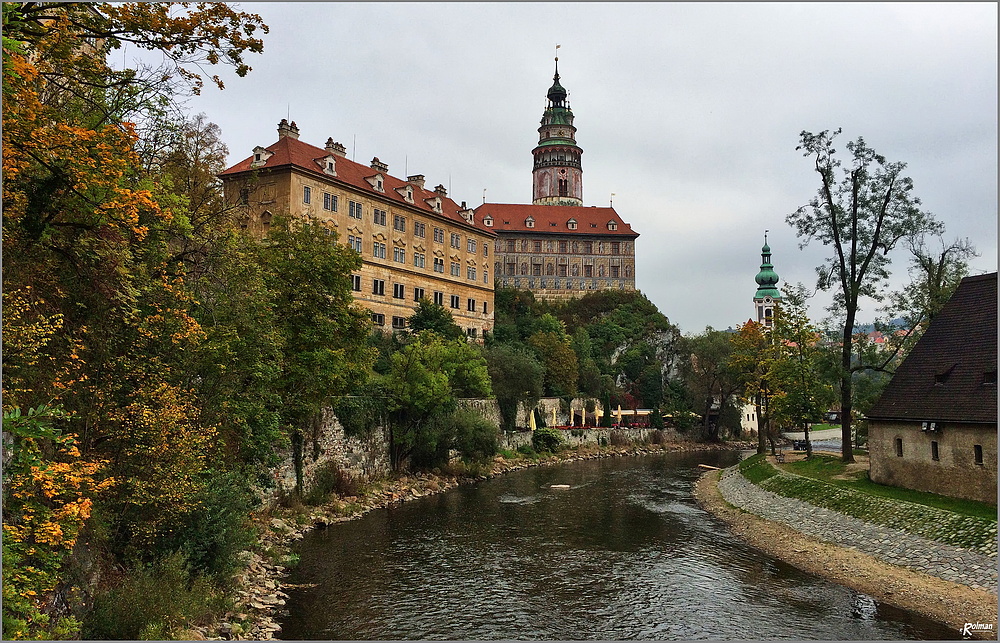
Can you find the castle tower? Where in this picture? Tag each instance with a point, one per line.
(767, 292)
(558, 174)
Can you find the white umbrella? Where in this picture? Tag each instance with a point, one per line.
(553, 416)
(619, 414)
(531, 419)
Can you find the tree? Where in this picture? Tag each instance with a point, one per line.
(751, 360)
(435, 318)
(561, 368)
(935, 276)
(516, 378)
(862, 212)
(423, 384)
(709, 378)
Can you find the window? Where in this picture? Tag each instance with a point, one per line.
(934, 450)
(399, 223)
(330, 202)
(563, 187)
(399, 254)
(978, 450)
(378, 319)
(614, 272)
(356, 283)
(612, 225)
(899, 447)
(378, 286)
(378, 216)
(615, 248)
(456, 240)
(486, 250)
(398, 322)
(398, 291)
(571, 224)
(439, 298)
(418, 294)
(486, 276)
(536, 269)
(471, 273)
(456, 269)
(588, 247)
(510, 246)
(354, 209)
(470, 305)
(511, 268)
(419, 259)
(306, 194)
(562, 270)
(486, 308)
(471, 332)
(438, 264)
(419, 229)
(562, 247)
(471, 245)
(378, 249)
(537, 245)
(354, 242)
(529, 222)
(438, 235)
(454, 301)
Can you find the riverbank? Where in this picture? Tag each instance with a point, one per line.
(948, 602)
(259, 599)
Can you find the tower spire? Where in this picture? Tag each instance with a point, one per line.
(767, 294)
(558, 174)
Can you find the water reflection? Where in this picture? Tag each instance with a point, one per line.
(624, 553)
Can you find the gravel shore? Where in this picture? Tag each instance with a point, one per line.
(947, 601)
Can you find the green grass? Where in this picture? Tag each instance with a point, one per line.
(826, 468)
(823, 427)
(946, 520)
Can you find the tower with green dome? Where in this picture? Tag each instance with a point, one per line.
(557, 178)
(767, 291)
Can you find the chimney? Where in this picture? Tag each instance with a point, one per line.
(285, 129)
(439, 189)
(379, 166)
(417, 180)
(337, 149)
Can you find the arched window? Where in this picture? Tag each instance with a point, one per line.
(563, 187)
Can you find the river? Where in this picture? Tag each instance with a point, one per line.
(623, 554)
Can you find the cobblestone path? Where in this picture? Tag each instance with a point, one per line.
(891, 545)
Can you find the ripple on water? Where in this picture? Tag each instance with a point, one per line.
(622, 554)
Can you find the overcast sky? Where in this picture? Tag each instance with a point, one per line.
(688, 113)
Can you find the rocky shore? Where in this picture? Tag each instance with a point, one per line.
(259, 597)
(945, 601)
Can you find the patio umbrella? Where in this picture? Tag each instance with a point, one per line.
(619, 414)
(553, 416)
(531, 419)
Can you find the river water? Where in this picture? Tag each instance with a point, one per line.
(624, 553)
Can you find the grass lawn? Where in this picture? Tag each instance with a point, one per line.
(830, 469)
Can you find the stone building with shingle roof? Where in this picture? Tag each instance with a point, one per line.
(935, 426)
(555, 246)
(414, 242)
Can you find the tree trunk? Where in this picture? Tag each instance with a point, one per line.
(846, 389)
(761, 437)
(809, 446)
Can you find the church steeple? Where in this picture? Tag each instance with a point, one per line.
(558, 173)
(767, 294)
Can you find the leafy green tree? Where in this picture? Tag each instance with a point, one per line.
(751, 360)
(561, 368)
(862, 212)
(517, 378)
(423, 384)
(710, 380)
(435, 318)
(324, 353)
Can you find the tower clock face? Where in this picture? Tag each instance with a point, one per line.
(767, 300)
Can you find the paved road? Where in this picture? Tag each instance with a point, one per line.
(885, 543)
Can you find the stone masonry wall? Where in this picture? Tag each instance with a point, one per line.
(954, 473)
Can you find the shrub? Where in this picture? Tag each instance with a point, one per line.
(152, 602)
(330, 478)
(473, 436)
(528, 450)
(546, 440)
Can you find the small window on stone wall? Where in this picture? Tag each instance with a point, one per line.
(934, 450)
(979, 453)
(899, 447)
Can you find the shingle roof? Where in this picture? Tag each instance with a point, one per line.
(511, 217)
(289, 151)
(944, 376)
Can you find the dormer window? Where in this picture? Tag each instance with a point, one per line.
(571, 224)
(529, 222)
(260, 156)
(434, 203)
(377, 182)
(612, 225)
(488, 221)
(406, 192)
(329, 164)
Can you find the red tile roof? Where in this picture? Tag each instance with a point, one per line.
(511, 217)
(289, 151)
